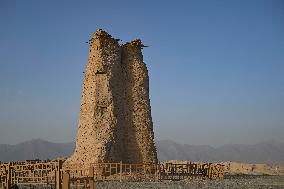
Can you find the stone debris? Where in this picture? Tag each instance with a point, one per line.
(115, 116)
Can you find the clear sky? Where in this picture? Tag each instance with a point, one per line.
(216, 67)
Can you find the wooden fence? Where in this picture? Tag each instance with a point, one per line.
(51, 174)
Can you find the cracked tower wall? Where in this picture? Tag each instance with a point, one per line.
(115, 121)
(97, 137)
(139, 135)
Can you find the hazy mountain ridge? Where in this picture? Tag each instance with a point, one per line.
(35, 149)
(271, 152)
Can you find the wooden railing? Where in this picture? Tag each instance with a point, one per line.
(172, 171)
(51, 174)
(33, 172)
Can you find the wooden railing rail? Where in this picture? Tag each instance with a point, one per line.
(53, 174)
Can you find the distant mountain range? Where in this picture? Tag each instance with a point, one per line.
(35, 149)
(271, 152)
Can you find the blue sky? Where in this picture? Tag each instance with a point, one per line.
(216, 67)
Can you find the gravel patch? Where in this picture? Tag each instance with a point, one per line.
(240, 182)
(232, 182)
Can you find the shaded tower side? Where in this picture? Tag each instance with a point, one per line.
(98, 136)
(138, 130)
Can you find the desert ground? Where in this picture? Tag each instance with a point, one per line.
(230, 182)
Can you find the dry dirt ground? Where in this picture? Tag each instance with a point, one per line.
(236, 182)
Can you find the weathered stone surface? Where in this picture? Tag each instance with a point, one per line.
(115, 116)
(139, 136)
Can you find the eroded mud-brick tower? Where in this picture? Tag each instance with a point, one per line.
(115, 116)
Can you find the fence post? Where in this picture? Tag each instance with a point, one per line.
(159, 172)
(120, 172)
(8, 178)
(66, 181)
(156, 172)
(91, 178)
(209, 170)
(222, 171)
(58, 175)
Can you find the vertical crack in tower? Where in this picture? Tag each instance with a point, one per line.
(115, 121)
